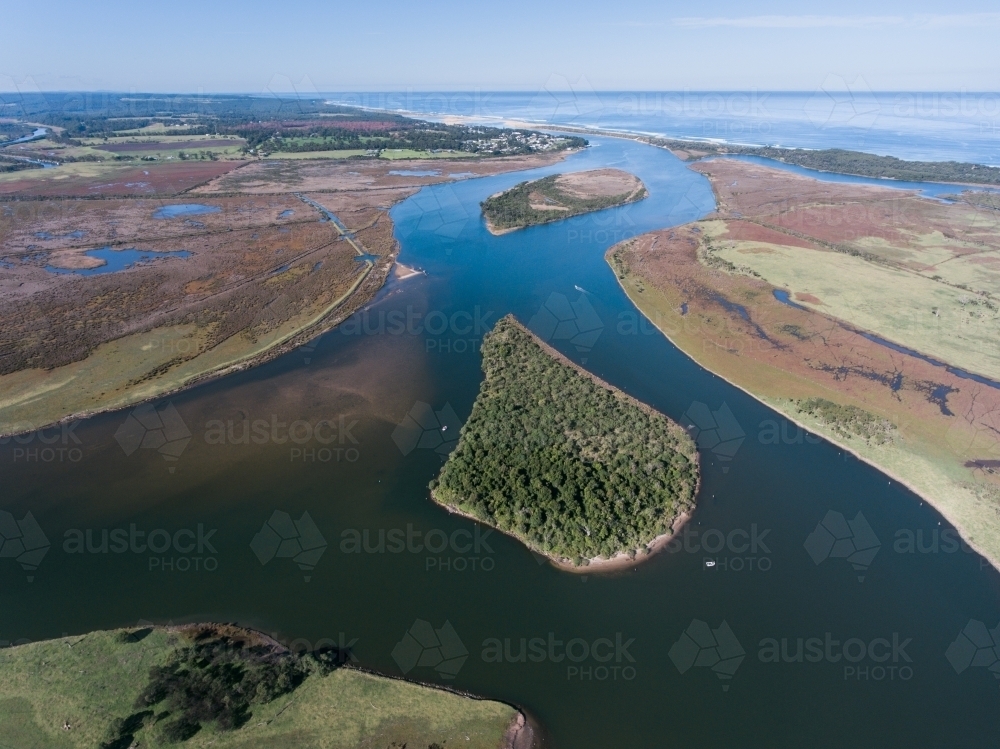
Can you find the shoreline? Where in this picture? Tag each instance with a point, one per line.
(669, 142)
(640, 192)
(995, 563)
(500, 232)
(403, 272)
(596, 565)
(523, 731)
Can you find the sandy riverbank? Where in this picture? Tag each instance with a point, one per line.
(596, 565)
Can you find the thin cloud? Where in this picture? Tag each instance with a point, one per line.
(815, 21)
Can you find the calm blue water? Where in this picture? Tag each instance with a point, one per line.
(39, 132)
(782, 296)
(185, 209)
(78, 234)
(116, 260)
(926, 126)
(768, 481)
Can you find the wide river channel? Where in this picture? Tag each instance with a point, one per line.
(834, 654)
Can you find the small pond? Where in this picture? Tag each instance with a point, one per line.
(116, 260)
(185, 209)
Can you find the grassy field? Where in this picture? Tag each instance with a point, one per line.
(904, 306)
(854, 260)
(159, 128)
(135, 368)
(392, 154)
(138, 148)
(46, 148)
(564, 462)
(83, 692)
(344, 154)
(407, 153)
(66, 172)
(155, 135)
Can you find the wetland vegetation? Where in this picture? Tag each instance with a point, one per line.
(876, 329)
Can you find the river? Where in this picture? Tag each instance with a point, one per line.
(616, 660)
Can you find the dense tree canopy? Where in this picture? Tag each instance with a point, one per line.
(512, 209)
(563, 461)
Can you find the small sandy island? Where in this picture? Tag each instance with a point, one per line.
(74, 260)
(402, 272)
(560, 196)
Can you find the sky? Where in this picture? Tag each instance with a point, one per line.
(253, 46)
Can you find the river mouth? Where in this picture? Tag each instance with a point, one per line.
(603, 658)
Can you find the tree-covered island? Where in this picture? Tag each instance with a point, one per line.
(564, 462)
(560, 196)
